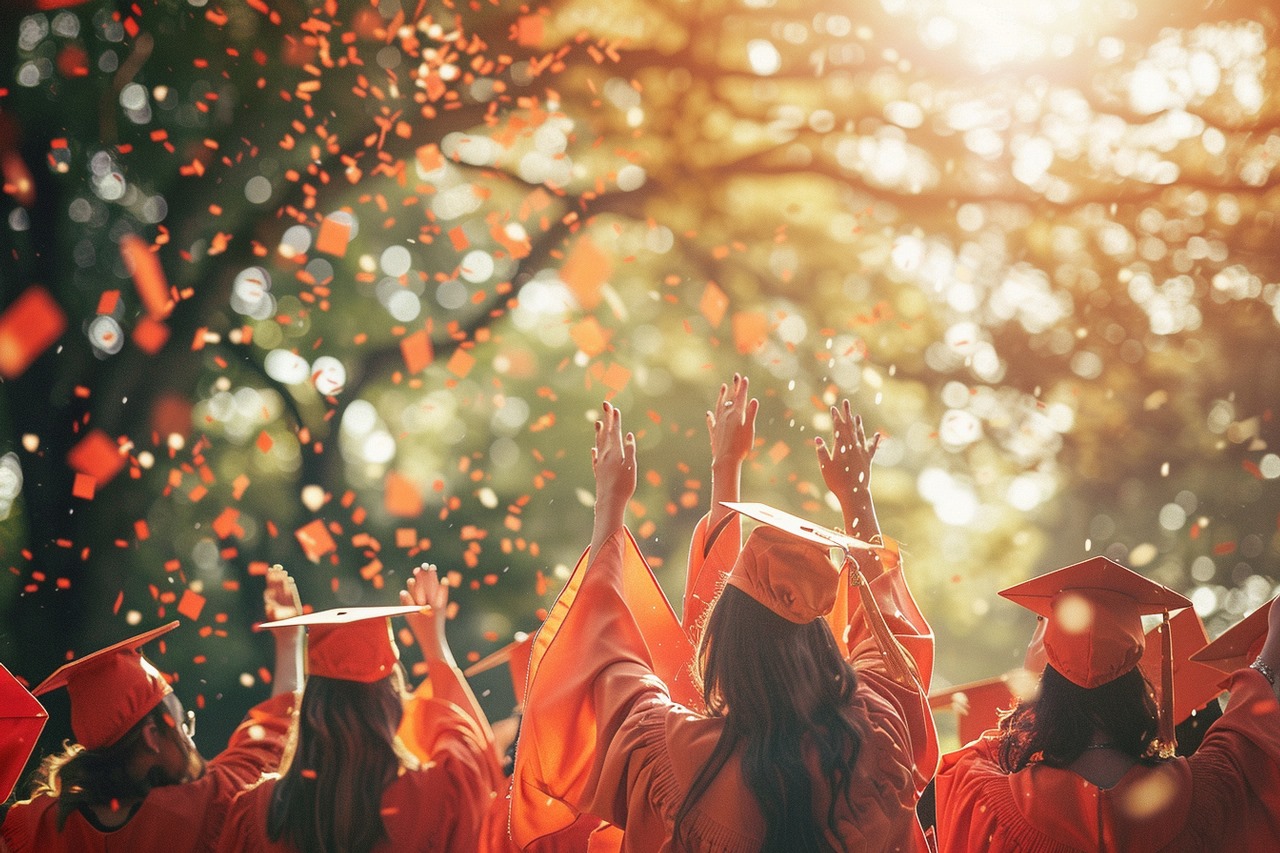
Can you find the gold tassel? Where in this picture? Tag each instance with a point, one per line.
(1168, 737)
(897, 662)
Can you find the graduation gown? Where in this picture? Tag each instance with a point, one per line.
(186, 817)
(439, 807)
(1224, 797)
(603, 736)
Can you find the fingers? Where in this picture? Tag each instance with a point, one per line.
(824, 454)
(629, 450)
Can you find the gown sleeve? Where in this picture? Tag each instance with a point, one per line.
(902, 711)
(258, 742)
(604, 649)
(1235, 774)
(712, 554)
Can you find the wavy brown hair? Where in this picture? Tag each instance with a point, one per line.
(343, 755)
(784, 691)
(83, 778)
(1057, 725)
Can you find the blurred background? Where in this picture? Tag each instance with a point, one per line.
(342, 287)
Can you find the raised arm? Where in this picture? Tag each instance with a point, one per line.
(280, 600)
(425, 589)
(613, 459)
(846, 469)
(731, 425)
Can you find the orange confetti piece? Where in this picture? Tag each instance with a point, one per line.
(150, 335)
(458, 238)
(402, 500)
(315, 540)
(750, 330)
(148, 276)
(527, 31)
(585, 271)
(227, 523)
(333, 237)
(429, 157)
(460, 363)
(84, 486)
(191, 605)
(97, 456)
(714, 304)
(264, 442)
(590, 336)
(416, 350)
(27, 328)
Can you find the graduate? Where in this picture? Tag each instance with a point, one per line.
(348, 784)
(134, 779)
(810, 741)
(1088, 765)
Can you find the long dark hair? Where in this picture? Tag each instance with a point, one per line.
(1057, 725)
(81, 778)
(784, 692)
(343, 756)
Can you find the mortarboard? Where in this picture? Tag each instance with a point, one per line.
(1094, 631)
(110, 689)
(1194, 684)
(516, 655)
(22, 718)
(1239, 645)
(780, 567)
(349, 643)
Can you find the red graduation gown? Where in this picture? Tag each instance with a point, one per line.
(185, 817)
(439, 807)
(1224, 797)
(602, 734)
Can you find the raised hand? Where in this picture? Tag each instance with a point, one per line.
(280, 599)
(732, 424)
(613, 459)
(425, 589)
(846, 469)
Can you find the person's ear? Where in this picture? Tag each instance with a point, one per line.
(151, 737)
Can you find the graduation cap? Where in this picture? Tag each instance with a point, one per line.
(785, 566)
(111, 690)
(22, 718)
(1239, 645)
(516, 655)
(1094, 632)
(1194, 684)
(349, 643)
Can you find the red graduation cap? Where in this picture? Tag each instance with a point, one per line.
(22, 718)
(111, 689)
(1094, 632)
(516, 655)
(1239, 645)
(349, 643)
(780, 567)
(1194, 684)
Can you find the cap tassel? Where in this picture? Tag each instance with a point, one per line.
(897, 662)
(1168, 738)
